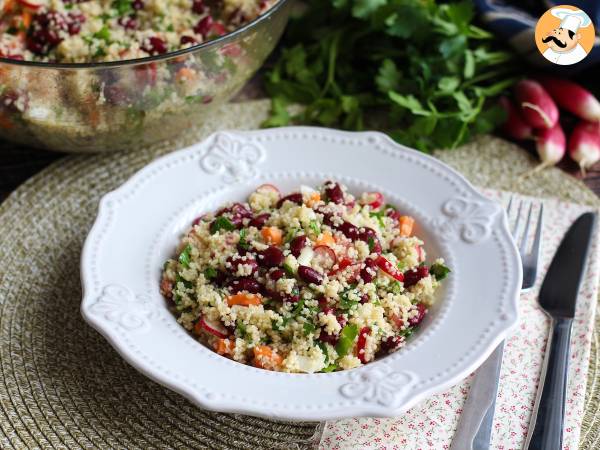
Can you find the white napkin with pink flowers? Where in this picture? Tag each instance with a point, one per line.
(431, 424)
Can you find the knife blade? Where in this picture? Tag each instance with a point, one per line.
(558, 298)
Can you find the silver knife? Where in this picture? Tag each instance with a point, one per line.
(558, 297)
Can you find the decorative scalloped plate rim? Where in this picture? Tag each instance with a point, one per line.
(122, 302)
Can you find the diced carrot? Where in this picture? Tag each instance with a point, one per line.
(26, 17)
(406, 225)
(244, 299)
(198, 328)
(8, 6)
(272, 235)
(325, 239)
(224, 346)
(185, 74)
(314, 198)
(266, 358)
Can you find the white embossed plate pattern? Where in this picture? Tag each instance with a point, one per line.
(139, 224)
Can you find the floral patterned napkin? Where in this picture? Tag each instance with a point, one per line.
(431, 424)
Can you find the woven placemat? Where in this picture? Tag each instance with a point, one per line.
(62, 385)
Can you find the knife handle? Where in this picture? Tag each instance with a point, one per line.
(546, 427)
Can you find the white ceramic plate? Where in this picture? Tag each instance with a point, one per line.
(139, 225)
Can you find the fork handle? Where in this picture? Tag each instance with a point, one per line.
(546, 427)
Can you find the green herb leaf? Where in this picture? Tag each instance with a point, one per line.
(324, 350)
(371, 243)
(346, 340)
(439, 271)
(330, 368)
(314, 226)
(221, 223)
(184, 257)
(243, 243)
(309, 328)
(210, 273)
(346, 303)
(103, 34)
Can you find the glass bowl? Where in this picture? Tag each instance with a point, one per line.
(123, 105)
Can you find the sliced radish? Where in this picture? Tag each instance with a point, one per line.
(373, 199)
(31, 4)
(268, 189)
(324, 257)
(306, 256)
(362, 343)
(213, 327)
(389, 269)
(345, 262)
(397, 320)
(420, 254)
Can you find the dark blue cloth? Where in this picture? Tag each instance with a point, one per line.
(514, 23)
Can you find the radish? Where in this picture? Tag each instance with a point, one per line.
(324, 257)
(373, 199)
(584, 144)
(268, 189)
(389, 269)
(550, 145)
(537, 107)
(215, 328)
(573, 98)
(31, 4)
(514, 126)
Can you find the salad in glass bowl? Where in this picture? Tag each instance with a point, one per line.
(102, 76)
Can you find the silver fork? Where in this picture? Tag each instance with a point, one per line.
(475, 427)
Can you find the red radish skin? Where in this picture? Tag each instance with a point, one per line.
(584, 144)
(573, 98)
(214, 328)
(551, 146)
(537, 107)
(514, 126)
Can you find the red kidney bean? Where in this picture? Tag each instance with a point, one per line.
(276, 274)
(349, 230)
(297, 244)
(204, 26)
(328, 338)
(310, 275)
(270, 257)
(422, 311)
(391, 343)
(369, 272)
(260, 220)
(296, 197)
(187, 40)
(334, 192)
(247, 260)
(244, 284)
(328, 310)
(412, 277)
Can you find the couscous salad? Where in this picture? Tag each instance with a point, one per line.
(313, 281)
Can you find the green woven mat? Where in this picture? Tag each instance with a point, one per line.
(62, 385)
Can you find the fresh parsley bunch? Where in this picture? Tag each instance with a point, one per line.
(418, 69)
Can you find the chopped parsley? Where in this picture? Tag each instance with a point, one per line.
(346, 303)
(103, 34)
(314, 226)
(323, 348)
(346, 340)
(210, 273)
(221, 223)
(439, 271)
(288, 269)
(243, 243)
(309, 328)
(123, 6)
(379, 215)
(184, 257)
(330, 368)
(371, 243)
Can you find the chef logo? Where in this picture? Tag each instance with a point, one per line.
(564, 35)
